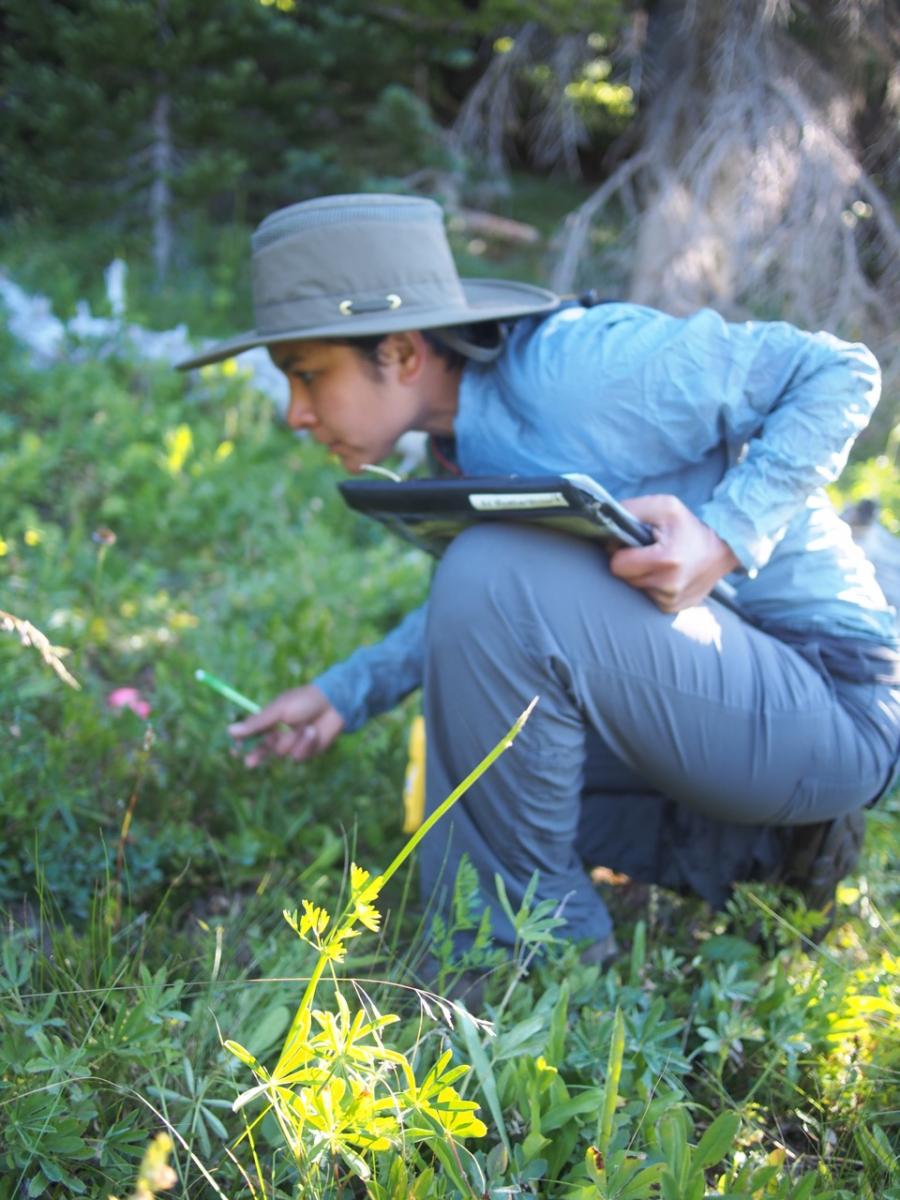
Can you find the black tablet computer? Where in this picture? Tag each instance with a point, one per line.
(429, 513)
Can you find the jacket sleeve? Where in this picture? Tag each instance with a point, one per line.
(790, 405)
(375, 678)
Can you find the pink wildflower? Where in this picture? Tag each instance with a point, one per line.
(128, 697)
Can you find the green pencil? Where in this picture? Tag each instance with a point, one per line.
(219, 685)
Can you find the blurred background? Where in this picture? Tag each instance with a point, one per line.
(679, 152)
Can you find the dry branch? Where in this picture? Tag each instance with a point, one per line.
(750, 193)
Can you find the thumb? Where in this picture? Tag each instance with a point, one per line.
(256, 722)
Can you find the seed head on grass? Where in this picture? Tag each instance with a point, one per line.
(30, 635)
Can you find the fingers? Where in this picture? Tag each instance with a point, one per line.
(297, 725)
(666, 599)
(287, 742)
(656, 510)
(297, 706)
(257, 722)
(685, 561)
(652, 567)
(329, 726)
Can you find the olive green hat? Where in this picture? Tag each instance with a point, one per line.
(353, 266)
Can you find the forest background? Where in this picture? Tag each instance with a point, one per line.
(680, 153)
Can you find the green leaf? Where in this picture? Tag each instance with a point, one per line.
(445, 1153)
(485, 1076)
(805, 1186)
(638, 953)
(535, 1169)
(643, 1183)
(215, 1124)
(717, 1140)
(613, 1075)
(673, 1141)
(37, 1185)
(422, 1188)
(874, 1145)
(533, 1145)
(761, 1179)
(556, 1042)
(244, 1055)
(695, 1188)
(513, 1042)
(497, 1161)
(270, 1027)
(354, 1161)
(727, 948)
(583, 1102)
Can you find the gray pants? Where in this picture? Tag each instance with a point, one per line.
(658, 740)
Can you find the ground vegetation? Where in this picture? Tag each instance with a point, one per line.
(148, 530)
(682, 153)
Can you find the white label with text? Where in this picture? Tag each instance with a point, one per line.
(488, 501)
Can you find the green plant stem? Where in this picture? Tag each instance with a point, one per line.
(458, 792)
(400, 858)
(308, 994)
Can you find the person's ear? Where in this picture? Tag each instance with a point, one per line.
(407, 351)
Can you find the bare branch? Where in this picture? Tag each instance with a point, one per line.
(748, 188)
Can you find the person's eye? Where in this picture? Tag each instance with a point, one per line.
(305, 377)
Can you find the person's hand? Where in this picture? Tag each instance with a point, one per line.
(298, 724)
(684, 563)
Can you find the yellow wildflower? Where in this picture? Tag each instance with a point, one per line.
(98, 630)
(179, 443)
(362, 892)
(314, 919)
(184, 620)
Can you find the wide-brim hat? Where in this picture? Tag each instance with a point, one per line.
(353, 266)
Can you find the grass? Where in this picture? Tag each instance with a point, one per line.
(151, 525)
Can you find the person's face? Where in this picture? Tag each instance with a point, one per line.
(355, 407)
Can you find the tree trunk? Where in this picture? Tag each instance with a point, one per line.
(161, 188)
(748, 191)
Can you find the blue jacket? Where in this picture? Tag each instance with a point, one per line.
(745, 423)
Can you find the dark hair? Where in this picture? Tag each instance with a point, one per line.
(484, 333)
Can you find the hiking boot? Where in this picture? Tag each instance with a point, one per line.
(818, 857)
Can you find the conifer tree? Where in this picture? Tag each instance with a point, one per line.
(126, 110)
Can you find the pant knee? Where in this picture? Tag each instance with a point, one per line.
(478, 573)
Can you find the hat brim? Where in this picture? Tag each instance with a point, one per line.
(486, 300)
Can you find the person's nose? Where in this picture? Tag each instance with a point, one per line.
(300, 412)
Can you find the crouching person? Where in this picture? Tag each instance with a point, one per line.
(674, 740)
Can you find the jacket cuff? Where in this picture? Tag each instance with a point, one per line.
(345, 686)
(752, 548)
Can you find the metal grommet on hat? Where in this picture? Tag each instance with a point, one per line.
(351, 308)
(362, 265)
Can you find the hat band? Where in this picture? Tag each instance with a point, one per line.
(281, 316)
